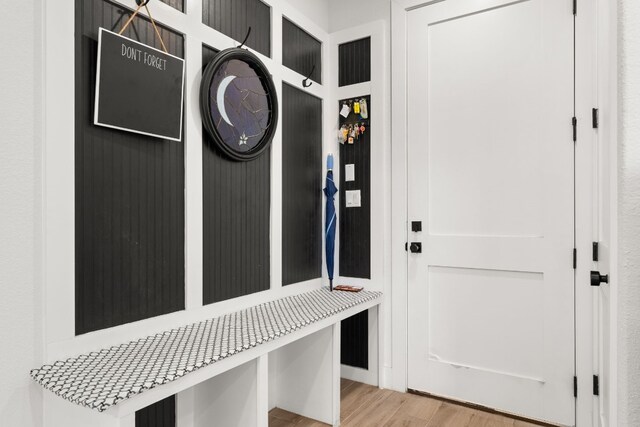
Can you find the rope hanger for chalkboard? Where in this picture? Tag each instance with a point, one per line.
(141, 4)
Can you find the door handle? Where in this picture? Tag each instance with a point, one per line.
(415, 247)
(597, 278)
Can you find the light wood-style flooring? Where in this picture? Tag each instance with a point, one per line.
(364, 405)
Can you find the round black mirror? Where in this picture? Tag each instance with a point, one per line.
(239, 104)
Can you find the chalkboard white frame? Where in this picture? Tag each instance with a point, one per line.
(97, 93)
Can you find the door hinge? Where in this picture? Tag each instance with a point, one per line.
(575, 258)
(595, 251)
(575, 386)
(596, 386)
(574, 123)
(575, 7)
(594, 118)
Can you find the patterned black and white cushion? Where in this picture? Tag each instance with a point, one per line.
(101, 379)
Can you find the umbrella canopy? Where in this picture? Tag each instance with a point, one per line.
(330, 218)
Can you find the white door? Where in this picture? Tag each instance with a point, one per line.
(491, 177)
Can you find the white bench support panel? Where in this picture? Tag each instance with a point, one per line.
(335, 374)
(307, 376)
(136, 374)
(229, 399)
(185, 408)
(263, 392)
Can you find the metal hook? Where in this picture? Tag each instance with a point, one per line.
(306, 83)
(245, 39)
(142, 2)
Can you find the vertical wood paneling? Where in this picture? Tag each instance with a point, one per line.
(355, 223)
(354, 341)
(234, 17)
(301, 51)
(160, 414)
(176, 4)
(354, 66)
(301, 186)
(354, 62)
(236, 213)
(129, 196)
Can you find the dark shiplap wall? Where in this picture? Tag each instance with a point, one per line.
(129, 196)
(301, 51)
(160, 414)
(234, 17)
(176, 4)
(354, 62)
(301, 186)
(354, 347)
(237, 211)
(355, 223)
(354, 66)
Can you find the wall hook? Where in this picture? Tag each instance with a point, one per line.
(245, 39)
(306, 82)
(142, 2)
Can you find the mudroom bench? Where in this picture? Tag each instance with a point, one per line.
(230, 353)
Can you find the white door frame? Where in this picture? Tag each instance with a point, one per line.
(606, 19)
(591, 87)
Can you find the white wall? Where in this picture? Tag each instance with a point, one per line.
(629, 213)
(352, 13)
(20, 209)
(315, 10)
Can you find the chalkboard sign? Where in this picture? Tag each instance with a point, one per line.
(138, 88)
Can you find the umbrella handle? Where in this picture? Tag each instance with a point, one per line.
(330, 162)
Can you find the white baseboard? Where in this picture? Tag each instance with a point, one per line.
(366, 376)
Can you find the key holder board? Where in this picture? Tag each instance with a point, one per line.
(355, 223)
(139, 88)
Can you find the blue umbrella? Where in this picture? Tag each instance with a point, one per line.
(330, 219)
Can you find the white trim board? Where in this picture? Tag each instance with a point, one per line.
(607, 103)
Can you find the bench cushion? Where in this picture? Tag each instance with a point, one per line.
(101, 379)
